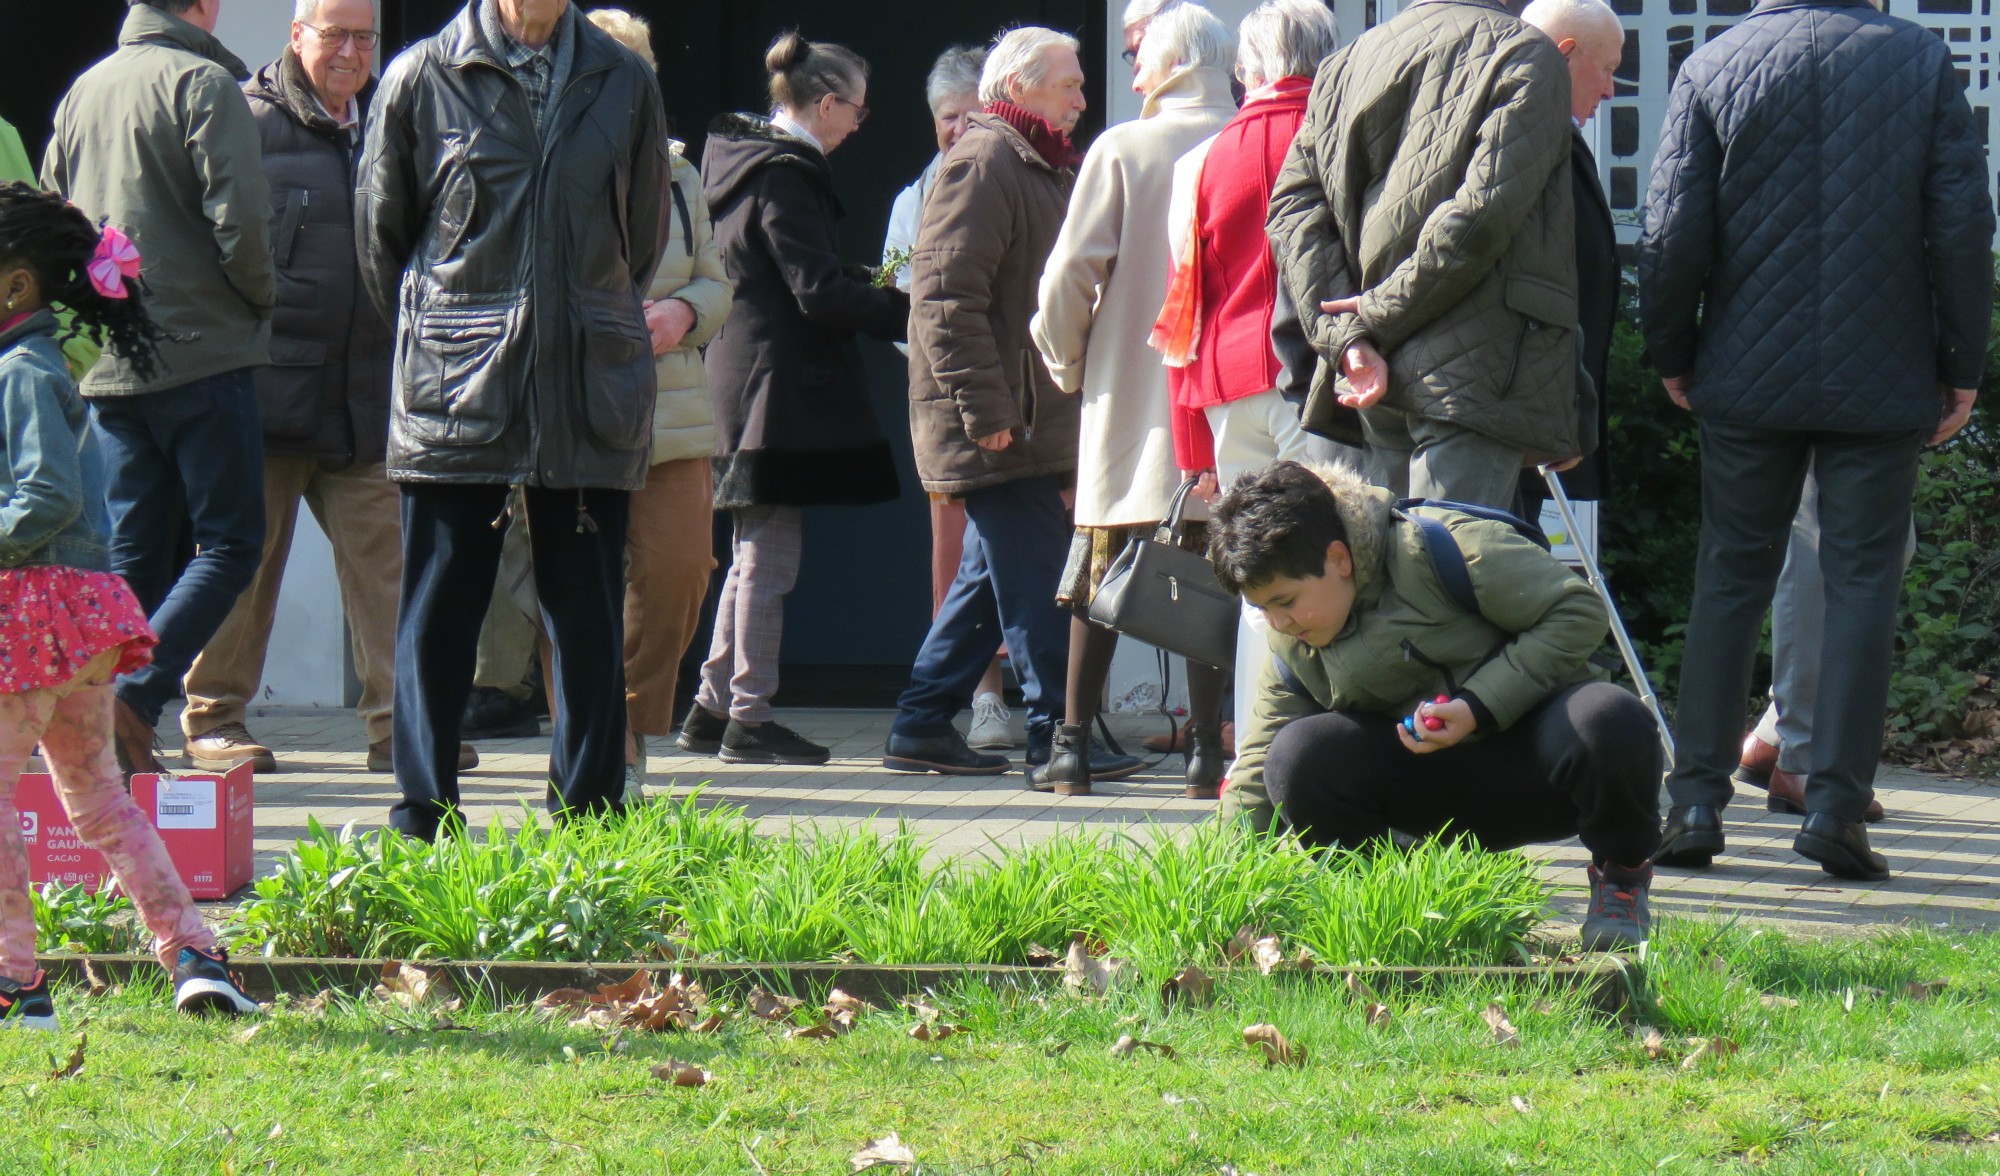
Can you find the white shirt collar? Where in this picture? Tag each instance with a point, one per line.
(793, 127)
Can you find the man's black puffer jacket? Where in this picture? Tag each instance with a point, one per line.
(1817, 246)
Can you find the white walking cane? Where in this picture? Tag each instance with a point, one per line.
(1618, 633)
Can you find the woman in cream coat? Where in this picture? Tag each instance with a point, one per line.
(669, 544)
(1100, 294)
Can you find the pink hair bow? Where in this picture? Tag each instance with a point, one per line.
(115, 259)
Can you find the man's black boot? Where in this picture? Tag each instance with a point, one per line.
(1068, 771)
(1841, 848)
(1205, 764)
(1692, 838)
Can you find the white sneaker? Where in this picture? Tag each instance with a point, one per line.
(990, 729)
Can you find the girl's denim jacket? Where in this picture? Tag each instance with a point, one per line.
(52, 479)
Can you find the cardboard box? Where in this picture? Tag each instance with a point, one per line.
(207, 822)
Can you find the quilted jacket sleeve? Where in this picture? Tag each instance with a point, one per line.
(1678, 242)
(962, 242)
(1313, 262)
(1958, 232)
(1523, 138)
(1556, 619)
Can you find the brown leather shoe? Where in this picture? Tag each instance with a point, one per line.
(1788, 795)
(1759, 760)
(381, 757)
(133, 738)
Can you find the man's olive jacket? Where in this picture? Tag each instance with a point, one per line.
(1431, 177)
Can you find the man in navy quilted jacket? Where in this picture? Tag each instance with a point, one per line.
(1815, 281)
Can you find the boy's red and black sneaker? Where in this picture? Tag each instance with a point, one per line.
(27, 1006)
(203, 984)
(1620, 915)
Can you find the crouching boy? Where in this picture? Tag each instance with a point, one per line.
(1471, 632)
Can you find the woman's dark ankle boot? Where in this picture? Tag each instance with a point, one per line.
(1205, 764)
(1068, 771)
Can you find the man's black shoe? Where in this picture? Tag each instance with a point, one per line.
(702, 731)
(492, 713)
(1841, 848)
(769, 743)
(1692, 838)
(948, 755)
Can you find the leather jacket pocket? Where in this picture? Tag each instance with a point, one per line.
(454, 387)
(617, 370)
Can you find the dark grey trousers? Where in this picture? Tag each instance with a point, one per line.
(1750, 484)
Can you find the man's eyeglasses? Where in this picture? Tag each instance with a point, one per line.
(860, 111)
(1130, 57)
(364, 39)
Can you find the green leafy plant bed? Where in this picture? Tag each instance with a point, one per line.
(686, 880)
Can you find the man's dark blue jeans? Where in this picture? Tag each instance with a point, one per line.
(1016, 539)
(195, 452)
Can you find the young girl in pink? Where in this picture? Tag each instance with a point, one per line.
(68, 625)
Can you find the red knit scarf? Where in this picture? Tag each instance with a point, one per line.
(1051, 144)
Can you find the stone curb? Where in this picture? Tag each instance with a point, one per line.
(1610, 982)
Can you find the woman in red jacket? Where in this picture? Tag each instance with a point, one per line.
(1229, 416)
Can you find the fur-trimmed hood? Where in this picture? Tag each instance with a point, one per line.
(1364, 512)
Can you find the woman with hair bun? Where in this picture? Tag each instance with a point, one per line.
(68, 624)
(794, 422)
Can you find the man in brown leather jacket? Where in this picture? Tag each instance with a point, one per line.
(1426, 212)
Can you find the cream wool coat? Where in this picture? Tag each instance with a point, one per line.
(1101, 292)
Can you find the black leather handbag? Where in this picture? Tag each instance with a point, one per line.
(1167, 596)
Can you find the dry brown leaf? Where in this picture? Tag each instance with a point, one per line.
(1378, 1016)
(91, 981)
(316, 1005)
(409, 985)
(1653, 1043)
(1772, 1000)
(1260, 949)
(708, 1024)
(886, 1152)
(925, 1011)
(1041, 957)
(1707, 1047)
(935, 1031)
(633, 987)
(676, 1073)
(1503, 1029)
(1057, 1050)
(823, 1031)
(1924, 989)
(74, 1066)
(1093, 974)
(843, 1008)
(769, 1006)
(1277, 1051)
(1123, 1047)
(1190, 985)
(1357, 988)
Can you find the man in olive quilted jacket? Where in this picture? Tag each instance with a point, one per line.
(1424, 224)
(1815, 281)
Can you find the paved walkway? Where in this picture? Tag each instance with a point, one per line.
(1942, 836)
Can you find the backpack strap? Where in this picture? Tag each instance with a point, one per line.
(687, 221)
(1447, 561)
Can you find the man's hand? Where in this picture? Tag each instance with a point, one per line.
(1458, 721)
(1957, 411)
(995, 441)
(668, 320)
(1677, 390)
(1366, 371)
(1560, 467)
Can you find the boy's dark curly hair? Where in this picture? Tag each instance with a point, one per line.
(53, 237)
(1277, 521)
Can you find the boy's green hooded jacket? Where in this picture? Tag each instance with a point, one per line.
(1406, 642)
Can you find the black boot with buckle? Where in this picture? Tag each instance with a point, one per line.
(1068, 771)
(1205, 762)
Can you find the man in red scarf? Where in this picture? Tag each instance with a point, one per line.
(987, 422)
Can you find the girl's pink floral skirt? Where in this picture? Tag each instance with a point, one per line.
(55, 619)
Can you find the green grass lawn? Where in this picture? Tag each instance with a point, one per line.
(1860, 1075)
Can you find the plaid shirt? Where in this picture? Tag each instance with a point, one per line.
(541, 72)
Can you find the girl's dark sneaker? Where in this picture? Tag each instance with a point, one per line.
(204, 985)
(702, 731)
(27, 1006)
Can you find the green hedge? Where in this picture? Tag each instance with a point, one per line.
(1951, 596)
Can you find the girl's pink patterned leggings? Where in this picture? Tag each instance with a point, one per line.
(72, 722)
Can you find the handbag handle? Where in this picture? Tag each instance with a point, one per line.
(1169, 530)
